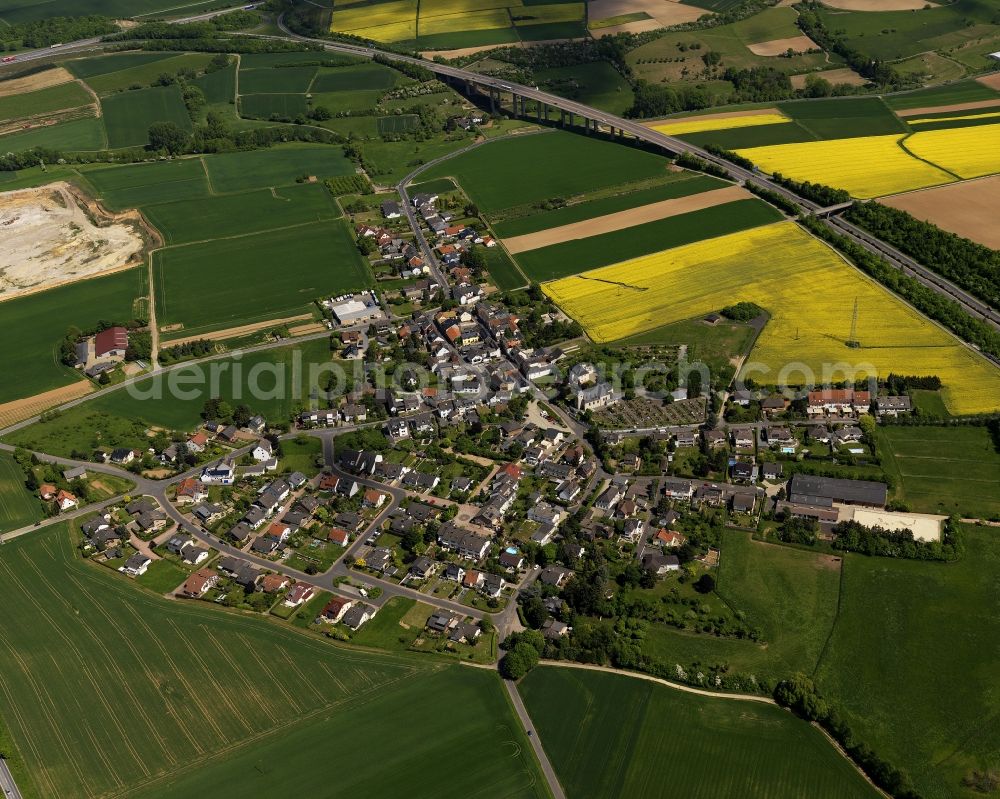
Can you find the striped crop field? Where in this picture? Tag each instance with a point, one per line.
(869, 166)
(677, 127)
(111, 691)
(934, 120)
(969, 152)
(780, 267)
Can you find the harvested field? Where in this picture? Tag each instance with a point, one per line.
(662, 12)
(835, 76)
(797, 44)
(877, 5)
(18, 410)
(48, 239)
(991, 81)
(967, 208)
(233, 332)
(625, 219)
(32, 83)
(638, 26)
(942, 109)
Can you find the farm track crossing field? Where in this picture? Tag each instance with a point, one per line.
(679, 185)
(776, 266)
(866, 167)
(279, 166)
(558, 260)
(146, 73)
(607, 736)
(229, 282)
(944, 469)
(923, 623)
(129, 115)
(969, 152)
(234, 214)
(519, 171)
(18, 507)
(93, 665)
(30, 364)
(56, 98)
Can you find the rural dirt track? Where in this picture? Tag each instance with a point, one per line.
(967, 208)
(13, 412)
(798, 44)
(625, 219)
(939, 109)
(242, 330)
(992, 81)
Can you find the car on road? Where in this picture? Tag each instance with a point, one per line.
(8, 58)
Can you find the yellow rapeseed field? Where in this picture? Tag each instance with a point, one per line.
(809, 292)
(969, 152)
(372, 17)
(929, 120)
(435, 8)
(676, 127)
(469, 21)
(871, 166)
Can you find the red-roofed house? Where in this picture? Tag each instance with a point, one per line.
(198, 441)
(299, 594)
(272, 583)
(191, 490)
(65, 500)
(339, 536)
(111, 343)
(46, 491)
(513, 470)
(472, 579)
(373, 498)
(335, 609)
(199, 582)
(670, 539)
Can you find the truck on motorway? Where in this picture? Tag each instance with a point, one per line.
(54, 46)
(8, 58)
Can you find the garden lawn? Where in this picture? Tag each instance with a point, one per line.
(174, 689)
(944, 469)
(33, 327)
(278, 166)
(385, 632)
(129, 115)
(912, 662)
(18, 506)
(234, 214)
(252, 278)
(299, 455)
(611, 735)
(578, 255)
(162, 576)
(529, 169)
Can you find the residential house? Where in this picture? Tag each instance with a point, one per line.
(299, 594)
(358, 614)
(136, 565)
(335, 609)
(198, 583)
(659, 564)
(553, 628)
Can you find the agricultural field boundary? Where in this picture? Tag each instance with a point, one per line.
(909, 152)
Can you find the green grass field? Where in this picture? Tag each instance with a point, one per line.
(291, 80)
(128, 115)
(791, 595)
(105, 64)
(354, 78)
(139, 185)
(503, 270)
(277, 106)
(237, 214)
(579, 255)
(611, 735)
(519, 171)
(30, 363)
(278, 166)
(144, 74)
(14, 11)
(843, 117)
(943, 469)
(77, 134)
(120, 419)
(680, 184)
(18, 506)
(111, 690)
(55, 98)
(299, 455)
(714, 345)
(597, 84)
(230, 282)
(963, 92)
(218, 86)
(913, 660)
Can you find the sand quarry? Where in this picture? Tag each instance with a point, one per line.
(50, 236)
